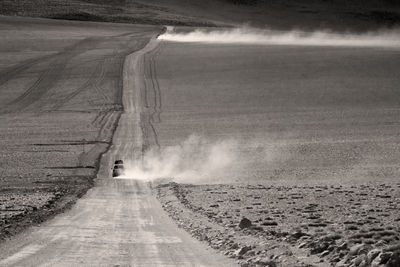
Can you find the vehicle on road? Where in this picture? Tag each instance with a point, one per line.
(118, 168)
(118, 161)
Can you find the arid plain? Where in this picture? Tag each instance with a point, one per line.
(279, 155)
(60, 103)
(311, 147)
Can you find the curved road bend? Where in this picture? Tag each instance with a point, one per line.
(118, 222)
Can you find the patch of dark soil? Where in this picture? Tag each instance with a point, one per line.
(82, 16)
(387, 18)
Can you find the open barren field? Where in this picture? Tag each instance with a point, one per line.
(309, 136)
(274, 148)
(295, 114)
(61, 86)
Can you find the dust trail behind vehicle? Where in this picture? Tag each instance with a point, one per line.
(248, 35)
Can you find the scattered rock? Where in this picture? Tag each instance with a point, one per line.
(360, 261)
(394, 260)
(244, 223)
(266, 262)
(325, 253)
(382, 258)
(241, 251)
(372, 254)
(357, 249)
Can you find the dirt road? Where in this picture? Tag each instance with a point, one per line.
(119, 221)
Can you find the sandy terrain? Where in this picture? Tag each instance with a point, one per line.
(119, 222)
(60, 85)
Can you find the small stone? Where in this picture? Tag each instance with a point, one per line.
(394, 260)
(372, 254)
(382, 258)
(234, 246)
(360, 261)
(356, 249)
(244, 223)
(302, 245)
(241, 251)
(298, 234)
(342, 246)
(385, 257)
(325, 253)
(266, 262)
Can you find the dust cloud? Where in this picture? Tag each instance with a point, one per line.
(190, 161)
(247, 35)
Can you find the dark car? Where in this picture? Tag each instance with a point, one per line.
(118, 169)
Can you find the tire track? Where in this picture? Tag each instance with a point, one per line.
(94, 81)
(60, 102)
(156, 85)
(12, 72)
(34, 92)
(152, 100)
(49, 77)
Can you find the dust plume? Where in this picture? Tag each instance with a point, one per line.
(247, 35)
(190, 161)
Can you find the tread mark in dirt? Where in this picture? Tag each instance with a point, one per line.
(61, 102)
(153, 108)
(49, 77)
(145, 95)
(94, 81)
(156, 85)
(11, 72)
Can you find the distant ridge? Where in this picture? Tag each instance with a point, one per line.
(337, 15)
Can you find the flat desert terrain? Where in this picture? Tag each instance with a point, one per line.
(273, 155)
(293, 113)
(118, 221)
(305, 145)
(61, 98)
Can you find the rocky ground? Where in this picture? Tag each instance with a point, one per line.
(283, 225)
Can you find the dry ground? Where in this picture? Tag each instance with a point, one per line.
(342, 15)
(313, 224)
(316, 164)
(119, 222)
(61, 85)
(338, 15)
(328, 114)
(100, 10)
